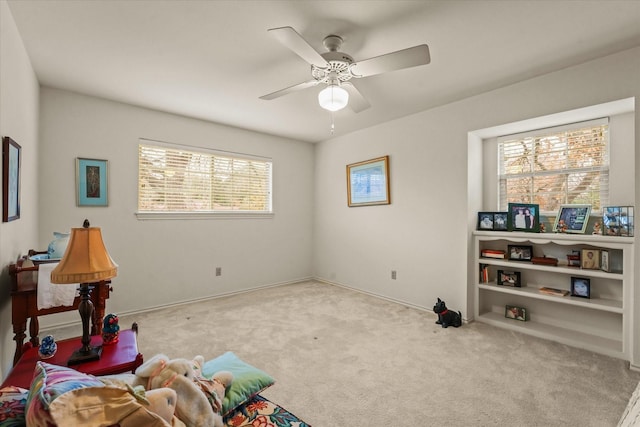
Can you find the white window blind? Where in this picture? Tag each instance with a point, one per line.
(185, 179)
(555, 166)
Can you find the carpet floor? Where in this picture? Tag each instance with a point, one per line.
(343, 358)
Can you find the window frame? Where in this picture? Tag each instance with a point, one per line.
(203, 215)
(546, 131)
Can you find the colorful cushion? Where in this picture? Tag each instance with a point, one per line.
(247, 380)
(13, 401)
(262, 412)
(49, 382)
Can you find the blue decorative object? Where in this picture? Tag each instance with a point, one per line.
(110, 329)
(58, 246)
(48, 347)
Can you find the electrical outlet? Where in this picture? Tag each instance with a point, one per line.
(218, 271)
(393, 274)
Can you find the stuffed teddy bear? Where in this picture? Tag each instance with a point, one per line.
(193, 407)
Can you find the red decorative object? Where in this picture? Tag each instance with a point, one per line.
(116, 359)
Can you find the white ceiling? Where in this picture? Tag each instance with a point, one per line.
(213, 59)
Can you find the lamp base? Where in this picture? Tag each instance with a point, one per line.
(81, 355)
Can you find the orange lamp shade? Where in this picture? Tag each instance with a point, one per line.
(86, 259)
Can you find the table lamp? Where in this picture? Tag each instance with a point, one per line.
(85, 261)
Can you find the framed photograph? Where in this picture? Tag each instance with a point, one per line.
(509, 278)
(11, 152)
(368, 182)
(520, 253)
(572, 219)
(580, 287)
(91, 182)
(500, 221)
(524, 217)
(604, 261)
(517, 313)
(590, 259)
(492, 221)
(485, 221)
(618, 221)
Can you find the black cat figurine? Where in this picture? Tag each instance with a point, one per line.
(446, 317)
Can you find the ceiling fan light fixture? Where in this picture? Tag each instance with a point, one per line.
(333, 98)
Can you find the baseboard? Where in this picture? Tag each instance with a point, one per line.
(384, 297)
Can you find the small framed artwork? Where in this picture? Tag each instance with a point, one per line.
(572, 219)
(517, 313)
(580, 287)
(520, 253)
(590, 259)
(368, 182)
(604, 261)
(91, 182)
(11, 153)
(524, 217)
(509, 278)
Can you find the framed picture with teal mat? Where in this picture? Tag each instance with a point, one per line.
(91, 182)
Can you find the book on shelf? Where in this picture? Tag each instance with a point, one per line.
(484, 273)
(492, 253)
(554, 291)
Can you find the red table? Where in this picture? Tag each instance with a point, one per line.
(116, 358)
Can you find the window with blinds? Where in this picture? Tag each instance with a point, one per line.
(179, 179)
(556, 166)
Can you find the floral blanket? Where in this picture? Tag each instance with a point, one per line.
(260, 412)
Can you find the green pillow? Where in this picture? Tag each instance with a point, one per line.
(247, 380)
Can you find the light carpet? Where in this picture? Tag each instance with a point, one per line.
(343, 358)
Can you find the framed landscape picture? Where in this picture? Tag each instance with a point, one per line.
(368, 182)
(91, 182)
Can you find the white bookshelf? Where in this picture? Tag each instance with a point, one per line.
(602, 323)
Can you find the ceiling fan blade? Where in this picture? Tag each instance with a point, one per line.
(290, 89)
(357, 102)
(294, 41)
(406, 58)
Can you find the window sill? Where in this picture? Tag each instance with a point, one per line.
(143, 216)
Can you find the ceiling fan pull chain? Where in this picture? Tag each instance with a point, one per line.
(333, 127)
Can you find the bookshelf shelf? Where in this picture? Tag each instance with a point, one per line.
(604, 345)
(602, 323)
(532, 291)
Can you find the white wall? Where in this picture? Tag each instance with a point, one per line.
(425, 233)
(18, 120)
(169, 261)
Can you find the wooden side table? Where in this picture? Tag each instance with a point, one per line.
(117, 358)
(24, 304)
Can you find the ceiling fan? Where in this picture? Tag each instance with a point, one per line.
(335, 69)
